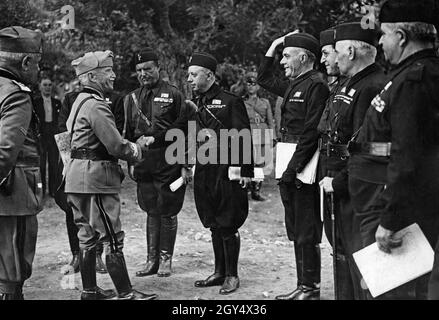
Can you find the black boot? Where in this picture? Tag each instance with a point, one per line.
(153, 242)
(100, 265)
(310, 288)
(168, 233)
(87, 265)
(256, 191)
(117, 269)
(232, 245)
(299, 268)
(217, 278)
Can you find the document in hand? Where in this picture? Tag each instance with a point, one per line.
(179, 182)
(383, 272)
(284, 153)
(308, 174)
(235, 174)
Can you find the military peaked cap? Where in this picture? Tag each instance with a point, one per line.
(203, 59)
(93, 60)
(394, 11)
(20, 40)
(148, 54)
(303, 40)
(355, 31)
(327, 37)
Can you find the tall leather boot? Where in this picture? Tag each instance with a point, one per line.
(100, 265)
(19, 292)
(299, 269)
(153, 242)
(310, 288)
(232, 244)
(87, 265)
(345, 288)
(118, 272)
(217, 278)
(168, 233)
(256, 191)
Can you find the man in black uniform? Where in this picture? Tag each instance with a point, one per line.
(304, 95)
(151, 111)
(394, 160)
(221, 203)
(20, 180)
(343, 115)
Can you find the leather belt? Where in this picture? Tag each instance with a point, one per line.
(379, 149)
(335, 150)
(87, 154)
(28, 162)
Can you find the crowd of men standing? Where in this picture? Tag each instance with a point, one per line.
(376, 131)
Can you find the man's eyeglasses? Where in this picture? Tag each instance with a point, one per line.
(251, 83)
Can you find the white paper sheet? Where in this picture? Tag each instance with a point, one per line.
(235, 174)
(179, 182)
(308, 174)
(284, 153)
(383, 272)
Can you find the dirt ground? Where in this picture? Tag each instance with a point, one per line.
(266, 266)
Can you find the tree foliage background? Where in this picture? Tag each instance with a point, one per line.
(237, 32)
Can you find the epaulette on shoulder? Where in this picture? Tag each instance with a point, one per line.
(416, 72)
(22, 86)
(97, 97)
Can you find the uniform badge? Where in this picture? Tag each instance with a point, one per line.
(216, 101)
(378, 103)
(343, 90)
(352, 92)
(297, 94)
(165, 95)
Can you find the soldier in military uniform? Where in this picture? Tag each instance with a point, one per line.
(262, 125)
(304, 95)
(343, 116)
(151, 111)
(115, 102)
(20, 179)
(221, 203)
(394, 160)
(93, 177)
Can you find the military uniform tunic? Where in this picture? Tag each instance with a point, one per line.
(221, 203)
(152, 112)
(93, 182)
(405, 114)
(21, 189)
(303, 104)
(341, 119)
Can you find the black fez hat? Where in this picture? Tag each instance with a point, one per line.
(148, 54)
(393, 11)
(355, 31)
(327, 37)
(20, 40)
(303, 40)
(203, 59)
